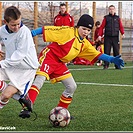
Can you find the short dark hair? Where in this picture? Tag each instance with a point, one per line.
(12, 12)
(111, 6)
(62, 4)
(97, 23)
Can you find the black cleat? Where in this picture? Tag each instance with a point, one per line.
(27, 107)
(24, 114)
(27, 114)
(26, 102)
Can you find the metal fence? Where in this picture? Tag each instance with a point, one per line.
(48, 10)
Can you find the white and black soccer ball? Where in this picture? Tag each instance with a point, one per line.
(59, 117)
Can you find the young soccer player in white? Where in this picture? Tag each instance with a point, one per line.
(20, 63)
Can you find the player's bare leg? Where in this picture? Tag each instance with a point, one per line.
(6, 94)
(24, 101)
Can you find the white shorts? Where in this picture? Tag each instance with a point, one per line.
(19, 78)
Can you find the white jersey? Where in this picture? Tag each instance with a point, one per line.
(19, 48)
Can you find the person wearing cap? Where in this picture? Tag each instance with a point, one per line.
(67, 43)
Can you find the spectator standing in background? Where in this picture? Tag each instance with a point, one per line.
(99, 44)
(63, 18)
(112, 24)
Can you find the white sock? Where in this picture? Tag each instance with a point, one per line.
(2, 104)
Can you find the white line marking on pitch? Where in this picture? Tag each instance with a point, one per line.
(86, 83)
(123, 85)
(75, 69)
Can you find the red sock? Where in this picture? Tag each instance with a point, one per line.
(3, 85)
(33, 92)
(64, 101)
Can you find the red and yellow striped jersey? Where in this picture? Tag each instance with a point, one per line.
(67, 44)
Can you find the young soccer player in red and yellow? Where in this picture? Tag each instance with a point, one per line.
(67, 43)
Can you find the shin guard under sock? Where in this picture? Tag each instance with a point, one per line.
(64, 101)
(33, 92)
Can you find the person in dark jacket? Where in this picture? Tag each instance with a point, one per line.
(112, 25)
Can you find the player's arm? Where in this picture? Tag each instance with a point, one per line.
(37, 31)
(116, 60)
(57, 34)
(55, 18)
(121, 28)
(2, 54)
(21, 51)
(100, 32)
(72, 22)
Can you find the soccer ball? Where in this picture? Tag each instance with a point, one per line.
(59, 117)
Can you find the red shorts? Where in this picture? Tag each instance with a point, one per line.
(51, 67)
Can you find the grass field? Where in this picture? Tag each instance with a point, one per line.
(102, 102)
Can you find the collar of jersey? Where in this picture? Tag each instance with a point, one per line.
(81, 40)
(9, 31)
(65, 13)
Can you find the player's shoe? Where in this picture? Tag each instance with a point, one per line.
(26, 102)
(24, 113)
(27, 114)
(27, 107)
